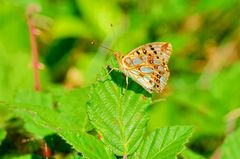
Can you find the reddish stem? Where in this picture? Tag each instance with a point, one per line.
(35, 61)
(46, 151)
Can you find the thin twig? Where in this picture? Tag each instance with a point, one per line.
(35, 61)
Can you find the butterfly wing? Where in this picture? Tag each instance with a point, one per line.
(147, 65)
(162, 50)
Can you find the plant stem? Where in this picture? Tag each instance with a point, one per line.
(35, 61)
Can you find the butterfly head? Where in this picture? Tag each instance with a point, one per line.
(118, 57)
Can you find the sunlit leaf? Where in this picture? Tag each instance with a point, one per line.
(119, 115)
(230, 147)
(3, 134)
(164, 143)
(88, 145)
(189, 154)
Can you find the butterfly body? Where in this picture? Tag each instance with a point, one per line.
(147, 65)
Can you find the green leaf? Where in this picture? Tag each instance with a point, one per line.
(28, 105)
(3, 134)
(5, 114)
(70, 26)
(68, 114)
(28, 156)
(189, 154)
(119, 115)
(164, 143)
(76, 157)
(100, 19)
(88, 145)
(230, 147)
(68, 118)
(72, 107)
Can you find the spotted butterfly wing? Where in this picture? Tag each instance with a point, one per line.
(147, 65)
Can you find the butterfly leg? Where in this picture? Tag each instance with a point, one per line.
(110, 72)
(126, 85)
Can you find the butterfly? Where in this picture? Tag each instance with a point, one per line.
(147, 65)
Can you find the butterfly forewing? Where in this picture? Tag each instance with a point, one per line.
(147, 65)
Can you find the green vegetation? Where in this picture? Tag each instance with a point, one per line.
(80, 110)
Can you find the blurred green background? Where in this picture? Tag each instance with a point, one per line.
(204, 86)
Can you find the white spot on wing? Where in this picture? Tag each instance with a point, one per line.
(134, 72)
(160, 68)
(146, 69)
(128, 61)
(144, 58)
(155, 61)
(143, 82)
(165, 56)
(137, 61)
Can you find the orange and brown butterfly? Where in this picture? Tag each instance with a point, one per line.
(147, 65)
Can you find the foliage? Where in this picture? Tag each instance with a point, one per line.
(231, 145)
(119, 116)
(101, 115)
(2, 135)
(164, 143)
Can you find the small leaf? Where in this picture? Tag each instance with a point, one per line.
(164, 143)
(230, 147)
(88, 145)
(119, 115)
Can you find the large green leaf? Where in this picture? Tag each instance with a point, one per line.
(88, 145)
(119, 115)
(68, 117)
(28, 105)
(230, 148)
(164, 143)
(69, 112)
(73, 110)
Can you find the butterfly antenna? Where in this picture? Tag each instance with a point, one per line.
(102, 46)
(114, 35)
